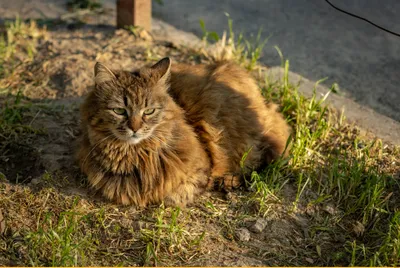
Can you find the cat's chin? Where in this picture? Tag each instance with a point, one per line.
(129, 139)
(134, 140)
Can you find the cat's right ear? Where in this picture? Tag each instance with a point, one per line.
(102, 73)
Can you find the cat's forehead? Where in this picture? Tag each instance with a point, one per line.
(134, 88)
(135, 80)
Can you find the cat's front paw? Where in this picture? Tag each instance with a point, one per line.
(227, 182)
(174, 202)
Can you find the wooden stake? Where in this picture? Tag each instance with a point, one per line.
(135, 13)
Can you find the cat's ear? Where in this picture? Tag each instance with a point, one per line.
(162, 69)
(102, 73)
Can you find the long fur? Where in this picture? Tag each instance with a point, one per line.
(207, 117)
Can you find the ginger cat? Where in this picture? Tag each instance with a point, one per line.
(165, 134)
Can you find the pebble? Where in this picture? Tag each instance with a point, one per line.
(242, 234)
(259, 225)
(329, 208)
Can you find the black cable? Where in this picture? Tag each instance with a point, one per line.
(361, 18)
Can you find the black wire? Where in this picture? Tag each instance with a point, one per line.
(358, 17)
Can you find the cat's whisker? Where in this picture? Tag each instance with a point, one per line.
(163, 142)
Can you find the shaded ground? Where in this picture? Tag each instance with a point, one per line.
(49, 217)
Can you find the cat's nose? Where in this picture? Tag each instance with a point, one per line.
(135, 124)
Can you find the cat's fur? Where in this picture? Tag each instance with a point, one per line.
(224, 104)
(201, 127)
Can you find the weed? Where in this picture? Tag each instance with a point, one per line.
(18, 43)
(338, 166)
(169, 238)
(59, 242)
(246, 52)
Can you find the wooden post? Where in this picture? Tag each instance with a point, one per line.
(135, 13)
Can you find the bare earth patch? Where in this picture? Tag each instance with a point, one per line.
(295, 213)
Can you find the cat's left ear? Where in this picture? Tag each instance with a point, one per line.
(162, 69)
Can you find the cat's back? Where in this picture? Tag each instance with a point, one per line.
(224, 101)
(223, 87)
(209, 77)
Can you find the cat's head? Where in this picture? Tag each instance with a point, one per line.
(130, 106)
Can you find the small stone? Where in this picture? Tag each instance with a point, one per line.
(309, 260)
(329, 208)
(259, 225)
(35, 181)
(358, 228)
(126, 223)
(242, 234)
(139, 225)
(99, 36)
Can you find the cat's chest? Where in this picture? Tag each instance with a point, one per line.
(127, 159)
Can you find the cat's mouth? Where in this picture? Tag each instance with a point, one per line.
(131, 138)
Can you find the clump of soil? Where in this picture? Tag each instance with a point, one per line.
(20, 163)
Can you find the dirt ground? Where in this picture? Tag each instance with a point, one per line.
(40, 179)
(54, 84)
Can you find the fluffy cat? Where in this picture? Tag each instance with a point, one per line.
(158, 134)
(225, 106)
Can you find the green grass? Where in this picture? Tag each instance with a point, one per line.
(18, 43)
(59, 241)
(169, 238)
(245, 51)
(342, 182)
(339, 167)
(329, 159)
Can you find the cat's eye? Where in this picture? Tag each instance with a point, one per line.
(119, 111)
(149, 111)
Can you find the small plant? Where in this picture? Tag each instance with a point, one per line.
(12, 113)
(208, 35)
(169, 238)
(59, 242)
(18, 43)
(246, 52)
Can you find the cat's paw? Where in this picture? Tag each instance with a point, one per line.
(231, 182)
(170, 202)
(228, 182)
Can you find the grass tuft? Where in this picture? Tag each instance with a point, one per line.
(18, 43)
(168, 239)
(246, 52)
